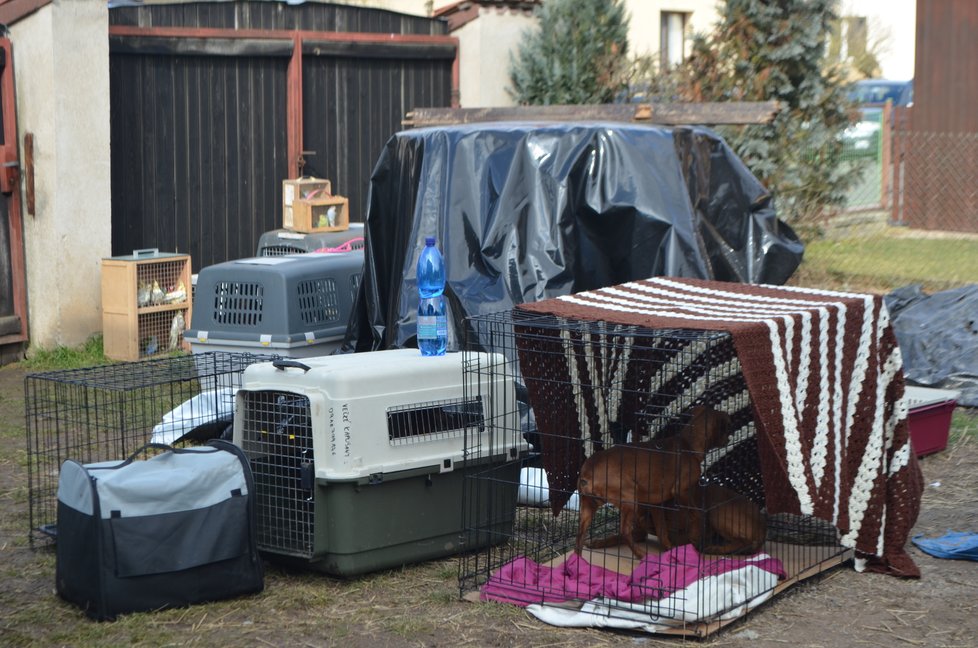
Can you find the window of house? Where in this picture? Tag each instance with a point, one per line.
(672, 38)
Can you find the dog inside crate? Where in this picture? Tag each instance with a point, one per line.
(650, 508)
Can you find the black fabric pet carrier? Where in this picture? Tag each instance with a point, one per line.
(175, 529)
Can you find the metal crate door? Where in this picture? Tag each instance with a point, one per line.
(277, 437)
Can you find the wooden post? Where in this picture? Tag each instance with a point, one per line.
(886, 172)
(293, 110)
(723, 112)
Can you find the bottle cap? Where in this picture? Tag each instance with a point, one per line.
(429, 240)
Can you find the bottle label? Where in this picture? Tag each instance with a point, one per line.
(431, 327)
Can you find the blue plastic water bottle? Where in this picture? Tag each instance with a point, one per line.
(432, 321)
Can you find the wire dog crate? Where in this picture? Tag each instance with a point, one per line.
(108, 412)
(658, 426)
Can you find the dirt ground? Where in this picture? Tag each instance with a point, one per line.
(419, 605)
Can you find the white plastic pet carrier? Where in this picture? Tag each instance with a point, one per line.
(358, 458)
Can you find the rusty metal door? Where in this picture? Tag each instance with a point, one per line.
(13, 295)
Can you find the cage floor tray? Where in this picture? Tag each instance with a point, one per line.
(799, 562)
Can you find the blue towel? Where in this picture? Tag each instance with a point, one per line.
(959, 545)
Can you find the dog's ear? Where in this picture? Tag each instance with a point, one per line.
(711, 427)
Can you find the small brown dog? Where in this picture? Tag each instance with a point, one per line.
(733, 524)
(638, 479)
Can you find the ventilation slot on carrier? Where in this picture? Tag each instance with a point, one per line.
(237, 303)
(317, 299)
(443, 419)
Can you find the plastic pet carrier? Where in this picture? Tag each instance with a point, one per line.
(168, 531)
(358, 457)
(281, 242)
(295, 305)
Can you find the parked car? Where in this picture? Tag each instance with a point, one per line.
(862, 139)
(879, 91)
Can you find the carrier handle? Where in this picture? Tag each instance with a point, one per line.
(282, 364)
(148, 446)
(146, 252)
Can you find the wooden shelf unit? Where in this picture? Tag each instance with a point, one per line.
(144, 296)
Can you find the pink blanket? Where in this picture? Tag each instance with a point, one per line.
(523, 582)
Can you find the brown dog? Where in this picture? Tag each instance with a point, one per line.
(638, 479)
(717, 520)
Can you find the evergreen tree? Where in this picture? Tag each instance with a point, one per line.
(775, 49)
(577, 55)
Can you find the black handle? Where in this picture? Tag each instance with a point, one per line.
(282, 364)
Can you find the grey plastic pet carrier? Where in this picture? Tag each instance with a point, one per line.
(296, 305)
(284, 241)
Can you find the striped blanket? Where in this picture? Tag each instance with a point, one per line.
(824, 375)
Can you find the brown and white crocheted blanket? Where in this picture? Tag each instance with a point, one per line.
(824, 375)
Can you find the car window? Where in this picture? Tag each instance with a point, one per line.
(877, 92)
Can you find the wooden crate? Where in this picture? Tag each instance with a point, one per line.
(321, 215)
(302, 189)
(144, 298)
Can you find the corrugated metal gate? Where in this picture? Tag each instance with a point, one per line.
(214, 104)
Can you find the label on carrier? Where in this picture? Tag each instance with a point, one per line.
(432, 326)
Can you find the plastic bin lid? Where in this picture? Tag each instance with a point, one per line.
(922, 396)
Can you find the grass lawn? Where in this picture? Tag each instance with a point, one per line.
(888, 259)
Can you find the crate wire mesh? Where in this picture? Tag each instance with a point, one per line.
(588, 386)
(161, 283)
(108, 412)
(164, 276)
(277, 437)
(161, 331)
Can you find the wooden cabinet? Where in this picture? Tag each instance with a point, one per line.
(146, 304)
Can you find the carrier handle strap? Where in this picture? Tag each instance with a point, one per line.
(148, 446)
(282, 364)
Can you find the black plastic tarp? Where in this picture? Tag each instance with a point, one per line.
(938, 337)
(529, 211)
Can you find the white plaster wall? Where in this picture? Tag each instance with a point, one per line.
(61, 63)
(485, 44)
(644, 26)
(484, 50)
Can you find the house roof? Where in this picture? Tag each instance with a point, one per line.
(13, 10)
(465, 11)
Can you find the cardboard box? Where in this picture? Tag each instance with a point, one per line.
(302, 188)
(320, 215)
(930, 418)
